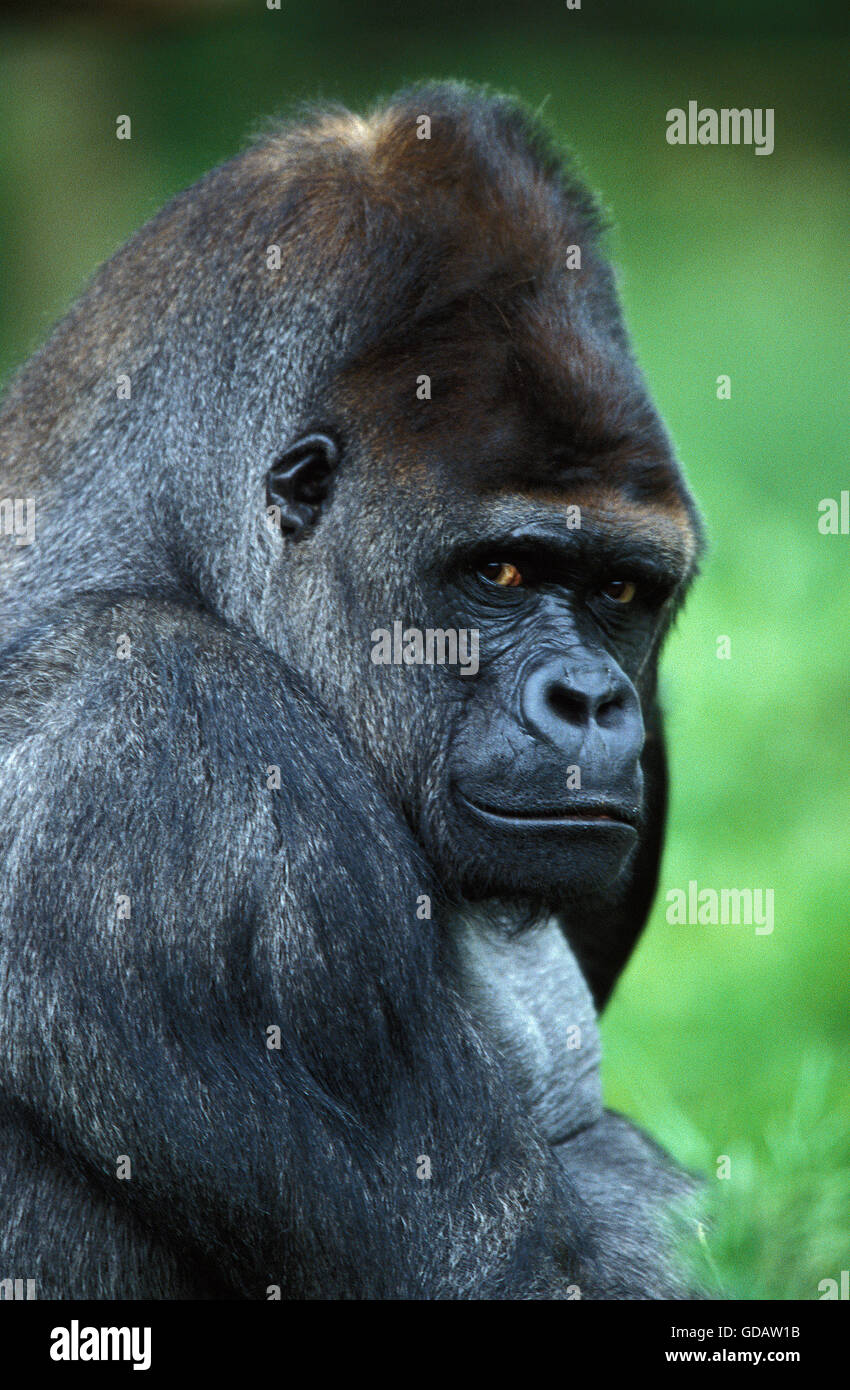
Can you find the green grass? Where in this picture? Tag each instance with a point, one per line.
(775, 1223)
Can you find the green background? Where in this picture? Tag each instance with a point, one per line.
(719, 1041)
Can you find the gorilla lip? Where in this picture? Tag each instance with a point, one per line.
(600, 814)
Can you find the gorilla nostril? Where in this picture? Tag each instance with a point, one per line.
(577, 702)
(566, 703)
(610, 712)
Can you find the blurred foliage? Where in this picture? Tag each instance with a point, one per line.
(720, 1041)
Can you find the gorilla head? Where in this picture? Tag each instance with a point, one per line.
(402, 333)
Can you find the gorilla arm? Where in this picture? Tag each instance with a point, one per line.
(164, 907)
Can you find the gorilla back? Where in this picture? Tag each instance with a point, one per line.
(296, 943)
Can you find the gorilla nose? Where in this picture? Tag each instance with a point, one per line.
(566, 703)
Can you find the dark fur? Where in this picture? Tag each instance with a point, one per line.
(147, 776)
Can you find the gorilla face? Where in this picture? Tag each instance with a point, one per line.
(544, 773)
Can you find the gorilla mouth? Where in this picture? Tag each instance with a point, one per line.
(602, 813)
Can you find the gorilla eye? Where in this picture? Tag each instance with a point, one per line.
(620, 590)
(501, 572)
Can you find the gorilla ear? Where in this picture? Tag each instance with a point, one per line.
(298, 482)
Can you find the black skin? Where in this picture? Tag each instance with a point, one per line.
(558, 698)
(219, 816)
(557, 694)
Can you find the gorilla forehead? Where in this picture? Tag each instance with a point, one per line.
(557, 421)
(527, 416)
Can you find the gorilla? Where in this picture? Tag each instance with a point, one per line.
(302, 945)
